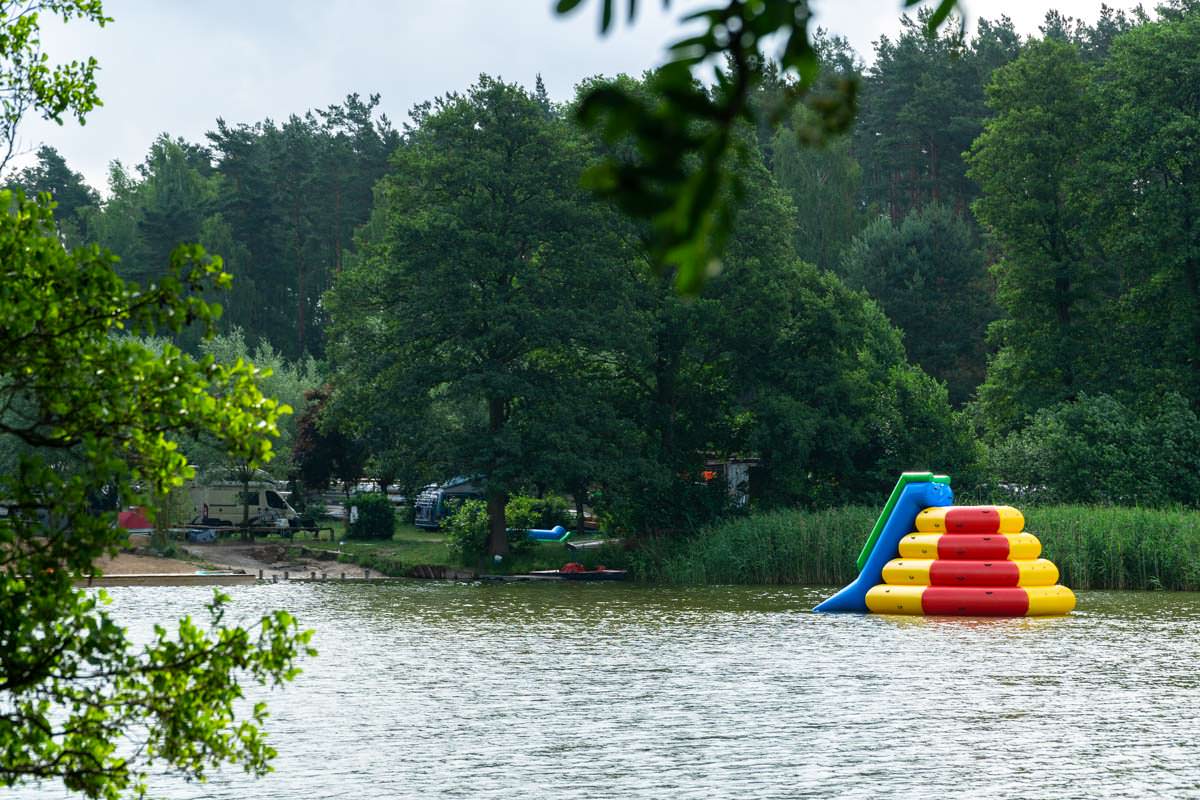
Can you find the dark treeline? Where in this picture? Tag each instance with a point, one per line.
(997, 273)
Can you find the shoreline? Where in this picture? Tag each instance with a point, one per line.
(215, 564)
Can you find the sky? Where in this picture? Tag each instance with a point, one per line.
(175, 66)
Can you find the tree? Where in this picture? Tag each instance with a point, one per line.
(291, 196)
(1031, 163)
(323, 453)
(1093, 40)
(922, 106)
(776, 359)
(75, 690)
(1098, 449)
(1147, 198)
(929, 275)
(477, 263)
(823, 181)
(287, 382)
(29, 82)
(72, 196)
(824, 186)
(86, 410)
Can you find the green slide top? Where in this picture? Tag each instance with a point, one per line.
(905, 479)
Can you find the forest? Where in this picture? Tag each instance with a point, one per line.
(994, 273)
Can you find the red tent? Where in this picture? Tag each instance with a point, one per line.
(134, 519)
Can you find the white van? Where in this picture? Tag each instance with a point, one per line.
(221, 504)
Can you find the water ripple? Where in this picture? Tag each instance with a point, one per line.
(445, 690)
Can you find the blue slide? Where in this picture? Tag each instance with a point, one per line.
(914, 492)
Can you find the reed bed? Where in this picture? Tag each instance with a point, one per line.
(1094, 547)
(1111, 547)
(777, 547)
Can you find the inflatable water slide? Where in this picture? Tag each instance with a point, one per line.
(928, 556)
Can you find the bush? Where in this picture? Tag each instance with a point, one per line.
(1100, 450)
(467, 526)
(524, 512)
(375, 518)
(467, 531)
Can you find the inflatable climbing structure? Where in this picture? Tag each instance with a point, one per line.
(927, 556)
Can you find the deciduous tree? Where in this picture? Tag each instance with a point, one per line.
(479, 262)
(96, 411)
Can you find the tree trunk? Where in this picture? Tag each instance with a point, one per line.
(246, 535)
(497, 524)
(579, 527)
(496, 498)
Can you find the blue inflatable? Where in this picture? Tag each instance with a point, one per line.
(914, 492)
(556, 534)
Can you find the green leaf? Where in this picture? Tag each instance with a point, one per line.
(940, 14)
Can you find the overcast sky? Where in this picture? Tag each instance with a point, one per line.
(177, 65)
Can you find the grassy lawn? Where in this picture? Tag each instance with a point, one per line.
(411, 546)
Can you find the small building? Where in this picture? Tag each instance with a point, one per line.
(735, 473)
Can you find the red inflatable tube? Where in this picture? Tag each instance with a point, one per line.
(973, 547)
(974, 573)
(972, 519)
(975, 602)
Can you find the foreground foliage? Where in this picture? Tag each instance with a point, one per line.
(88, 411)
(684, 181)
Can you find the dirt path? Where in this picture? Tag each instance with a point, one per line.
(270, 558)
(231, 556)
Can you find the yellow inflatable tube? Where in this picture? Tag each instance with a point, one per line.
(1021, 546)
(971, 519)
(943, 572)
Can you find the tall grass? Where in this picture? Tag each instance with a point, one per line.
(1111, 547)
(790, 547)
(1094, 548)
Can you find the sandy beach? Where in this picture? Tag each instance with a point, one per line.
(272, 559)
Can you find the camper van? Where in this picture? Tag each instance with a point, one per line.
(437, 502)
(219, 502)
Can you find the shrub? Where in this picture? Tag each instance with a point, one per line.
(1100, 450)
(524, 512)
(374, 519)
(467, 531)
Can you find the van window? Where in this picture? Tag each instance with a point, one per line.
(275, 501)
(251, 498)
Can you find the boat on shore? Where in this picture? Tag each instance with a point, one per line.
(568, 572)
(576, 572)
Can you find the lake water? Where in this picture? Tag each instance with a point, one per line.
(427, 690)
